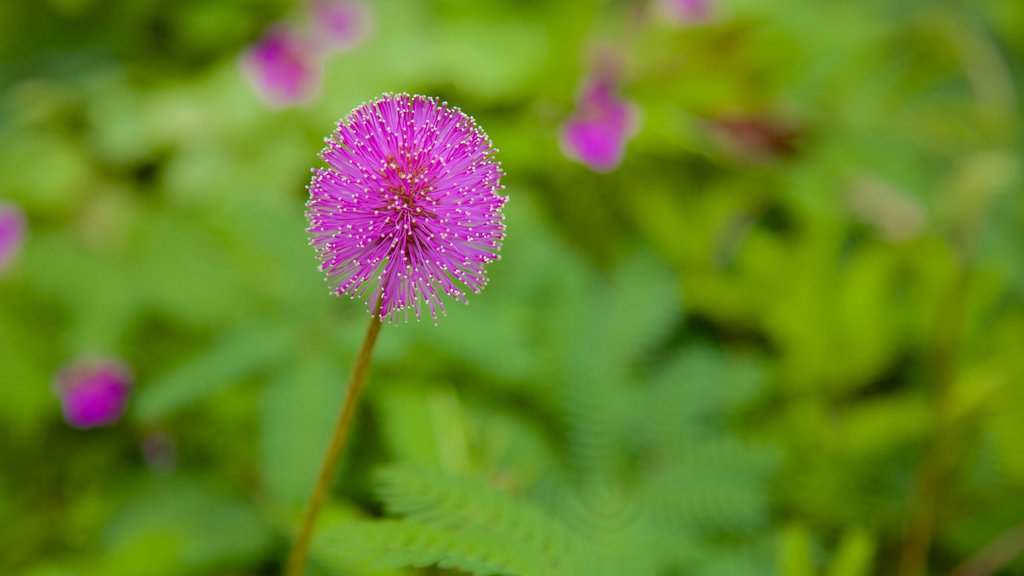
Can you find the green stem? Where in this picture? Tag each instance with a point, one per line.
(342, 427)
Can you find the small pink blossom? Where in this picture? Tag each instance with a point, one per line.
(283, 67)
(12, 234)
(93, 392)
(340, 25)
(686, 11)
(596, 135)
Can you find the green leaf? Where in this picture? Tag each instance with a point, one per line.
(855, 554)
(298, 410)
(190, 523)
(392, 544)
(457, 503)
(797, 554)
(226, 362)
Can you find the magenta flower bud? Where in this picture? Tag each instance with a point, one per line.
(12, 234)
(686, 12)
(596, 135)
(407, 208)
(93, 392)
(340, 25)
(283, 67)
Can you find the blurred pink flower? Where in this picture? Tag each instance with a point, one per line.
(596, 135)
(340, 25)
(12, 234)
(283, 67)
(93, 392)
(686, 11)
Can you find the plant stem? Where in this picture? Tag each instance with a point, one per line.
(342, 427)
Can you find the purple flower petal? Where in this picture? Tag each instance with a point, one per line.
(596, 135)
(283, 67)
(12, 234)
(341, 24)
(407, 208)
(93, 392)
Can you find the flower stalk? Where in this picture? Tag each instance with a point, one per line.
(406, 210)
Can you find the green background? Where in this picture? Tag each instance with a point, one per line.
(708, 361)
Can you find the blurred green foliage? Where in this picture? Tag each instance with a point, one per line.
(713, 360)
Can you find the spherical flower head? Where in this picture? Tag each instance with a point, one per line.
(407, 208)
(93, 392)
(597, 134)
(283, 67)
(12, 234)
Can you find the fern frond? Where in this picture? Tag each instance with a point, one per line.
(717, 486)
(458, 503)
(397, 544)
(595, 415)
(639, 307)
(693, 395)
(713, 380)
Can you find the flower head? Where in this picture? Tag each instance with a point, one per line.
(596, 135)
(407, 207)
(283, 67)
(93, 392)
(340, 24)
(12, 233)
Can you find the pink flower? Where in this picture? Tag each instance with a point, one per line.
(596, 135)
(93, 392)
(12, 234)
(340, 25)
(686, 11)
(283, 67)
(408, 206)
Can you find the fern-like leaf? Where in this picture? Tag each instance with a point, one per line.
(456, 504)
(397, 544)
